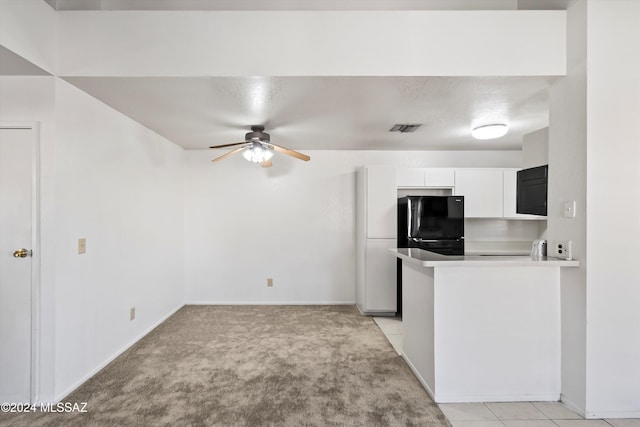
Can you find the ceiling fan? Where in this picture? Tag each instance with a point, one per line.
(257, 148)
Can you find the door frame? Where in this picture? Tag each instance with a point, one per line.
(34, 128)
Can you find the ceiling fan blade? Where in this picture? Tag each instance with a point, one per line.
(225, 155)
(266, 164)
(291, 152)
(228, 145)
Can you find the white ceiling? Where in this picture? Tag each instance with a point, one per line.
(329, 112)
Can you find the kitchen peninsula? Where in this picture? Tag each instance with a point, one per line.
(482, 328)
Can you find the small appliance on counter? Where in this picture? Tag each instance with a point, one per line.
(539, 249)
(432, 223)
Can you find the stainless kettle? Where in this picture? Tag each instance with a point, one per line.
(539, 249)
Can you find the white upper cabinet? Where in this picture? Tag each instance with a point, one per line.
(482, 191)
(439, 177)
(425, 178)
(509, 191)
(410, 178)
(381, 202)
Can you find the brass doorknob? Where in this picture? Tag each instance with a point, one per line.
(21, 253)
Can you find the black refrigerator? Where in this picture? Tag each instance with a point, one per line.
(433, 223)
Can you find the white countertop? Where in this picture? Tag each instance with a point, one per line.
(432, 259)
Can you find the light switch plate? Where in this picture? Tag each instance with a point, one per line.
(132, 313)
(82, 245)
(569, 209)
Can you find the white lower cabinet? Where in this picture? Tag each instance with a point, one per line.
(380, 277)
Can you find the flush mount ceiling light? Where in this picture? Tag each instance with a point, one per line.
(490, 131)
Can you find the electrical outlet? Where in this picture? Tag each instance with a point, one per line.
(561, 249)
(82, 245)
(270, 282)
(132, 313)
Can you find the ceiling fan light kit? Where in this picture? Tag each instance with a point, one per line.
(257, 148)
(257, 153)
(492, 131)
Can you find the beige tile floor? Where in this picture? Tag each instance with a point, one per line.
(504, 414)
(391, 327)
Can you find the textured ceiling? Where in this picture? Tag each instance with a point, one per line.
(330, 112)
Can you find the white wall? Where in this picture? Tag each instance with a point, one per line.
(108, 179)
(294, 222)
(613, 209)
(535, 148)
(593, 159)
(28, 28)
(118, 185)
(303, 43)
(567, 181)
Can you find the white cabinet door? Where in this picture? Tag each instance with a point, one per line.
(425, 177)
(509, 199)
(381, 202)
(410, 178)
(380, 276)
(482, 191)
(439, 177)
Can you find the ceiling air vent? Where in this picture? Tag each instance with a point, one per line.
(405, 128)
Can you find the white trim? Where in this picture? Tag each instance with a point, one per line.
(612, 414)
(270, 303)
(71, 389)
(19, 125)
(34, 128)
(35, 266)
(444, 398)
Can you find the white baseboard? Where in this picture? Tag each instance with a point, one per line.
(270, 303)
(70, 390)
(612, 414)
(543, 397)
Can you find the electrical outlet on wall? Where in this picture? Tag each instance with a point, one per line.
(82, 245)
(270, 282)
(560, 249)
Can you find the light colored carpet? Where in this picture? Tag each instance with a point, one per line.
(254, 366)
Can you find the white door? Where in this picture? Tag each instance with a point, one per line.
(16, 199)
